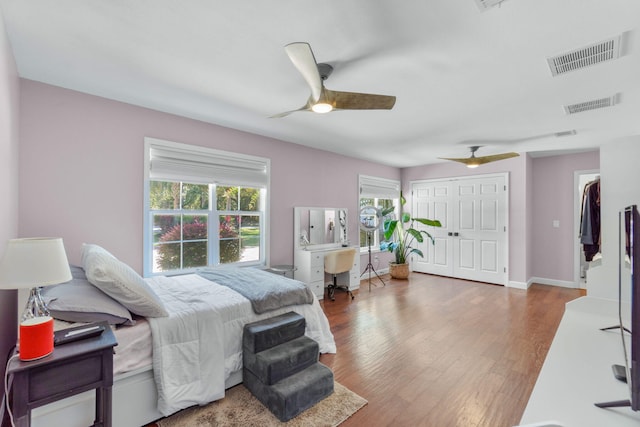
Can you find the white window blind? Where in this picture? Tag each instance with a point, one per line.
(172, 161)
(380, 188)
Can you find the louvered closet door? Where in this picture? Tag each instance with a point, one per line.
(473, 240)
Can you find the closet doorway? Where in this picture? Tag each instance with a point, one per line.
(472, 242)
(581, 179)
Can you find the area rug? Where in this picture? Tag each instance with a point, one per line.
(240, 408)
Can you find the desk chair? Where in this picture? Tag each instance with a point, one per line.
(336, 262)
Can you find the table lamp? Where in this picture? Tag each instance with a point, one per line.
(33, 263)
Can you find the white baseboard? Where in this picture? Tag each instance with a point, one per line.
(554, 282)
(518, 285)
(365, 275)
(542, 281)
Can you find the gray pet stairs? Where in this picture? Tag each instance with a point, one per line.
(281, 368)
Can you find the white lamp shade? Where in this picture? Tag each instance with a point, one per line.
(33, 262)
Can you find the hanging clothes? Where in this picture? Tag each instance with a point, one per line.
(590, 219)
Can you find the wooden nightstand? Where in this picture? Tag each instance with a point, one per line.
(71, 369)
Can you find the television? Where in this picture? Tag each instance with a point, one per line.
(628, 282)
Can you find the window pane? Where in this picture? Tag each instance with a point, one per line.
(229, 251)
(195, 254)
(166, 228)
(227, 198)
(250, 238)
(249, 199)
(194, 227)
(363, 239)
(229, 226)
(195, 196)
(229, 239)
(166, 256)
(366, 202)
(164, 195)
(385, 203)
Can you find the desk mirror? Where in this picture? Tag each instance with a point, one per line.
(319, 227)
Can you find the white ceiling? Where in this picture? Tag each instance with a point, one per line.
(461, 76)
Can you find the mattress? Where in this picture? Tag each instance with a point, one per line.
(134, 345)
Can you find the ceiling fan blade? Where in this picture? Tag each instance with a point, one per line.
(496, 157)
(459, 160)
(482, 159)
(360, 101)
(286, 113)
(302, 57)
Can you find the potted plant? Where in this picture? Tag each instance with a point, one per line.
(399, 237)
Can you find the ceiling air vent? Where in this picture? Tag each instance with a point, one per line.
(484, 5)
(584, 57)
(566, 133)
(591, 105)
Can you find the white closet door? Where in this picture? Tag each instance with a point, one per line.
(433, 200)
(472, 241)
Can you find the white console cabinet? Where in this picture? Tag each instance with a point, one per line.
(309, 265)
(577, 371)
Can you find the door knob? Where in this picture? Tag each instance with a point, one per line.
(449, 234)
(456, 234)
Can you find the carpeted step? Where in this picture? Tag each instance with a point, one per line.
(283, 360)
(294, 394)
(267, 333)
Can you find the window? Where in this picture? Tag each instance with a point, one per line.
(381, 193)
(203, 207)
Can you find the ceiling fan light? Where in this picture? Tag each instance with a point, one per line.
(321, 107)
(473, 165)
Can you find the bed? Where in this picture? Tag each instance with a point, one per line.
(190, 319)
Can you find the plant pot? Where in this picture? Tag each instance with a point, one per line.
(399, 271)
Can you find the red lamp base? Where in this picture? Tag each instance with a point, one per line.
(36, 338)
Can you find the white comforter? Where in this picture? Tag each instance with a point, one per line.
(199, 345)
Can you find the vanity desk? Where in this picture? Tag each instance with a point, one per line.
(318, 231)
(310, 269)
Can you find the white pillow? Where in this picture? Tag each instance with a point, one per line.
(120, 282)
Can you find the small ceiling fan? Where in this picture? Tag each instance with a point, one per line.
(323, 100)
(474, 162)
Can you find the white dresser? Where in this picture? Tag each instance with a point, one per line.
(310, 269)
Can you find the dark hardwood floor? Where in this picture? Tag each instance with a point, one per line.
(440, 352)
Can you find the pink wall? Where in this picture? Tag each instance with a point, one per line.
(529, 227)
(81, 160)
(81, 171)
(9, 123)
(9, 110)
(553, 199)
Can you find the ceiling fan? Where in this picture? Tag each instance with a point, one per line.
(323, 100)
(474, 162)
